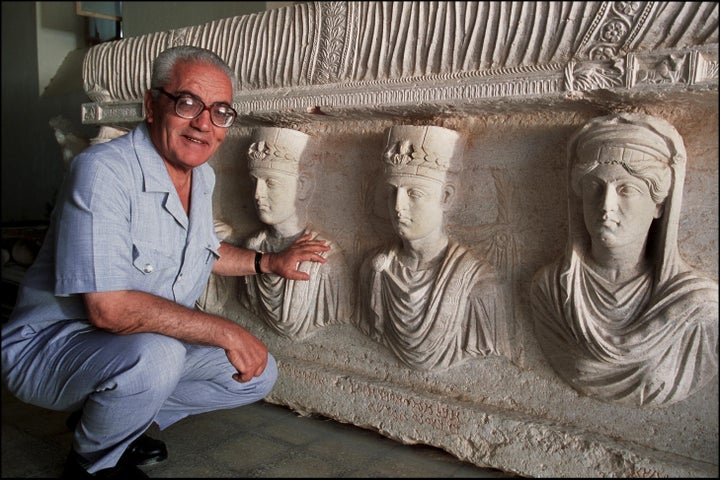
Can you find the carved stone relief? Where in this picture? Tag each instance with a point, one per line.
(426, 297)
(621, 316)
(345, 58)
(516, 79)
(293, 309)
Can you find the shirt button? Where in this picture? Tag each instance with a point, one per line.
(148, 268)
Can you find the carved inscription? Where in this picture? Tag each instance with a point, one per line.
(418, 410)
(461, 65)
(645, 473)
(381, 400)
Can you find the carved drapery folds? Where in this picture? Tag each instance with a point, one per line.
(283, 181)
(515, 79)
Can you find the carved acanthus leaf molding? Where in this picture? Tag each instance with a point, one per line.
(593, 75)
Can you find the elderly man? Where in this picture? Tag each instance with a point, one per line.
(105, 321)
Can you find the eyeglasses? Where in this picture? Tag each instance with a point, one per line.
(189, 106)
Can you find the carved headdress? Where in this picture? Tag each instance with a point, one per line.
(277, 148)
(633, 139)
(426, 151)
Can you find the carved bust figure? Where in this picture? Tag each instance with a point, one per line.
(430, 300)
(620, 316)
(293, 309)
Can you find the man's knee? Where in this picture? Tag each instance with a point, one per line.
(156, 363)
(269, 376)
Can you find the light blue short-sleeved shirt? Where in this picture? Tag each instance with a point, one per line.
(119, 225)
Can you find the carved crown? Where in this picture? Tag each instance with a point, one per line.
(427, 151)
(277, 148)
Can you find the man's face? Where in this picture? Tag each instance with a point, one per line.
(416, 205)
(617, 206)
(187, 143)
(275, 195)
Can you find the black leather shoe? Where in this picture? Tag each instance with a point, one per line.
(122, 471)
(144, 450)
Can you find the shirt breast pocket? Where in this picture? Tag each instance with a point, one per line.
(155, 270)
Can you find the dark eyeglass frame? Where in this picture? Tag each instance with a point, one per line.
(176, 98)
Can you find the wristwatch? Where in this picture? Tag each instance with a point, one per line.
(258, 257)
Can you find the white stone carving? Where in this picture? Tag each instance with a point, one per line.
(621, 316)
(293, 309)
(70, 141)
(517, 78)
(354, 58)
(428, 298)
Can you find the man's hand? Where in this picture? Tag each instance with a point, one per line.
(249, 358)
(286, 262)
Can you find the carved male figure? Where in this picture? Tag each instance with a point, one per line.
(426, 297)
(294, 310)
(620, 316)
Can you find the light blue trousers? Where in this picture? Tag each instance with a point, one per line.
(123, 383)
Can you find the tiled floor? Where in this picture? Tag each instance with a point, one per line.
(259, 440)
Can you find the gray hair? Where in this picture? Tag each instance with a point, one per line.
(164, 64)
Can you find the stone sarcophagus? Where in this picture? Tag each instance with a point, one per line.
(522, 199)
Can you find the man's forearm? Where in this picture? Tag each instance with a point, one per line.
(240, 261)
(125, 312)
(236, 261)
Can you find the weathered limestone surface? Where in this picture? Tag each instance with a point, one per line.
(517, 80)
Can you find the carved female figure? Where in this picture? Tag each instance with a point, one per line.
(293, 309)
(426, 297)
(621, 316)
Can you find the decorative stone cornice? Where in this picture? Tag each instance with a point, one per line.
(362, 58)
(672, 71)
